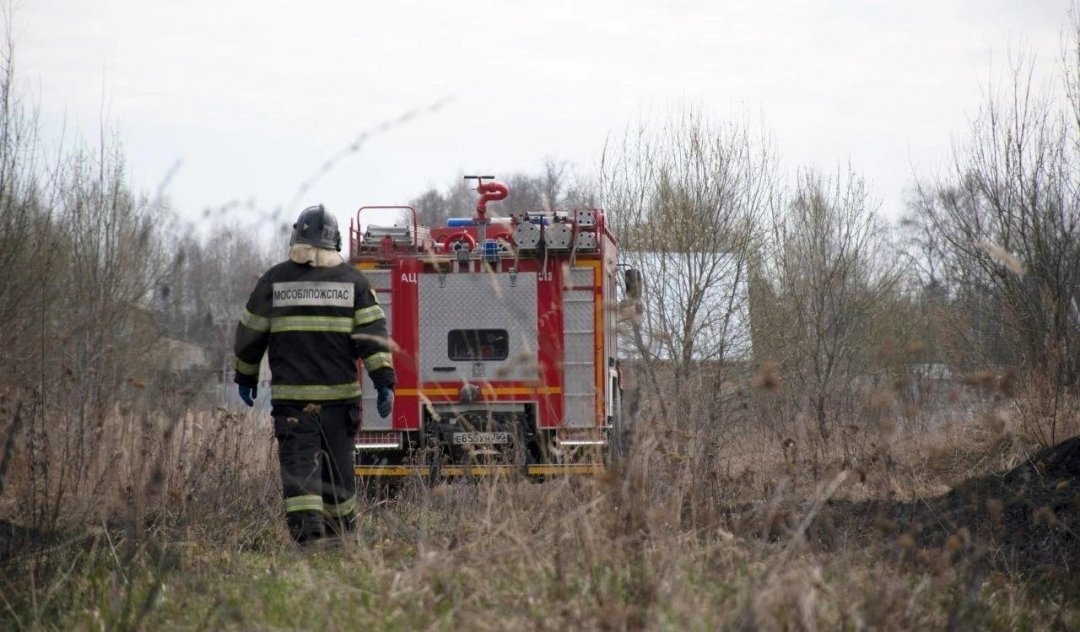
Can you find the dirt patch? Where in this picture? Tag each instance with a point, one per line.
(1029, 515)
(16, 540)
(1025, 520)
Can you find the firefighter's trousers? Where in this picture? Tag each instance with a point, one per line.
(315, 448)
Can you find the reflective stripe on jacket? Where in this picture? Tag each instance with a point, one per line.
(317, 322)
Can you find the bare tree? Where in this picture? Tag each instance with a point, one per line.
(24, 224)
(554, 181)
(1006, 222)
(81, 254)
(830, 270)
(206, 284)
(431, 207)
(686, 199)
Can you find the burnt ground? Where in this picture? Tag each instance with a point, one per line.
(1024, 521)
(16, 540)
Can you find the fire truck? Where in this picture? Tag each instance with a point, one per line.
(503, 333)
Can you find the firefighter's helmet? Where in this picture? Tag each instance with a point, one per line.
(318, 227)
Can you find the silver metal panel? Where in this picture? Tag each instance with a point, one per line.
(578, 311)
(586, 217)
(527, 235)
(585, 241)
(579, 377)
(402, 235)
(559, 236)
(478, 301)
(370, 419)
(580, 277)
(379, 279)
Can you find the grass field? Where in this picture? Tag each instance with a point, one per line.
(688, 532)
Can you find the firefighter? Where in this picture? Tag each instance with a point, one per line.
(318, 316)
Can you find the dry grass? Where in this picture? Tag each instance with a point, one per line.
(696, 529)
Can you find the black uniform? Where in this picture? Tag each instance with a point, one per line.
(318, 322)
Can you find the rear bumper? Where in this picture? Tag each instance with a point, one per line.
(455, 471)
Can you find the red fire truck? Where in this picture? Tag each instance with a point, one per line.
(504, 341)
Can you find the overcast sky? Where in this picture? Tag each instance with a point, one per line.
(252, 97)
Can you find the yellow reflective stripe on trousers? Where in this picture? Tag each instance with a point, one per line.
(331, 324)
(315, 392)
(378, 360)
(368, 315)
(245, 368)
(341, 510)
(310, 502)
(254, 321)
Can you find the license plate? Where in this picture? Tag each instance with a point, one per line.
(461, 438)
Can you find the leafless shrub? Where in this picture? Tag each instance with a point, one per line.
(687, 198)
(95, 408)
(1002, 231)
(819, 289)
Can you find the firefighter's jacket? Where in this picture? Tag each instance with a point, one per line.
(317, 321)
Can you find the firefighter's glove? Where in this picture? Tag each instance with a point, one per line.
(248, 394)
(385, 403)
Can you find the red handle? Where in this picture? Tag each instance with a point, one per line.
(489, 192)
(445, 240)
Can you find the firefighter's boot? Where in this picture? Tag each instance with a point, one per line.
(340, 527)
(340, 516)
(305, 527)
